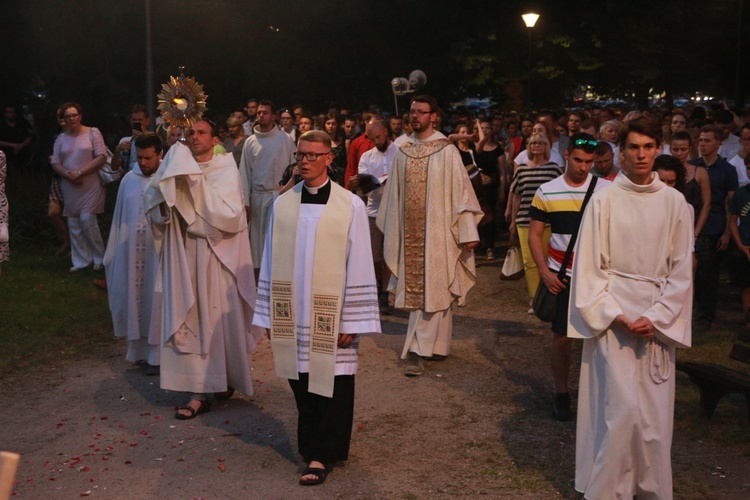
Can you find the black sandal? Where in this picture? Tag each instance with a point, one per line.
(203, 408)
(320, 476)
(224, 395)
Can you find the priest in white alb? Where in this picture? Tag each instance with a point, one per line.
(205, 283)
(631, 303)
(429, 215)
(131, 263)
(316, 295)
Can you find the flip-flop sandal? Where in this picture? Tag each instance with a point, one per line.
(224, 395)
(320, 476)
(203, 408)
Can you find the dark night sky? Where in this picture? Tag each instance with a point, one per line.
(345, 52)
(327, 51)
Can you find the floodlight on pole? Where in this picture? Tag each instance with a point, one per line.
(529, 19)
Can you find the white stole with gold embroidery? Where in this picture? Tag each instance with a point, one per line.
(329, 274)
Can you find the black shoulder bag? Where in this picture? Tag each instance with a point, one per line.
(545, 302)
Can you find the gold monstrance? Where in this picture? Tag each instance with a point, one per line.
(182, 101)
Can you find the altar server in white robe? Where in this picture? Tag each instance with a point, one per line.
(205, 282)
(317, 294)
(631, 302)
(130, 260)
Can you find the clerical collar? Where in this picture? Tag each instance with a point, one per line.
(317, 195)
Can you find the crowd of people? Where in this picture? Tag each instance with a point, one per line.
(310, 227)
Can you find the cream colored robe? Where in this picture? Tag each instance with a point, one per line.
(633, 257)
(452, 216)
(205, 273)
(131, 264)
(265, 157)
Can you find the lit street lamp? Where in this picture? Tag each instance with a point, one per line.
(530, 20)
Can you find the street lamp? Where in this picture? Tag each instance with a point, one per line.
(530, 20)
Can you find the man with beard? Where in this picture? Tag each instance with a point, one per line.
(205, 284)
(430, 232)
(130, 260)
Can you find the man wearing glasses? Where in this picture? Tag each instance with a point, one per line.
(316, 294)
(631, 303)
(429, 215)
(205, 290)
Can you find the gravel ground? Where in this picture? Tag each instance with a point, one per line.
(476, 425)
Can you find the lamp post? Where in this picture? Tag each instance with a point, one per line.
(530, 20)
(150, 95)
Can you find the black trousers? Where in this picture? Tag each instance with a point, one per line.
(707, 275)
(324, 428)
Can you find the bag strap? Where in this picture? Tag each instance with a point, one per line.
(569, 252)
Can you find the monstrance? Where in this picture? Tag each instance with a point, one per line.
(182, 101)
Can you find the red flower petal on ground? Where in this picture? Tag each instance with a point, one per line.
(104, 418)
(128, 462)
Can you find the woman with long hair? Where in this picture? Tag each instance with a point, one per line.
(490, 158)
(338, 148)
(78, 154)
(697, 189)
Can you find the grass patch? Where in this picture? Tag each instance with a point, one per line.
(48, 314)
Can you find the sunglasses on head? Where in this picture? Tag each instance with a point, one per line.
(585, 144)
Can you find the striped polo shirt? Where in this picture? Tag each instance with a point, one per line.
(525, 183)
(558, 204)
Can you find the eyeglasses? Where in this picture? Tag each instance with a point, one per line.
(537, 143)
(311, 157)
(70, 117)
(418, 112)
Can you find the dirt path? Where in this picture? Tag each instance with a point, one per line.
(476, 425)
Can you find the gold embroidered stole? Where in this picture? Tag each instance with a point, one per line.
(329, 273)
(415, 218)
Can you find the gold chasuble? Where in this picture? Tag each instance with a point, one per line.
(415, 219)
(329, 273)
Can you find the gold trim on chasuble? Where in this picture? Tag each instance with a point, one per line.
(415, 218)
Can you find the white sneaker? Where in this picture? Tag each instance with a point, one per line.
(490, 255)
